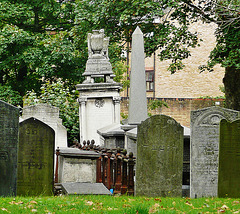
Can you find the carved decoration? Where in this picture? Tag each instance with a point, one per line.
(98, 64)
(99, 103)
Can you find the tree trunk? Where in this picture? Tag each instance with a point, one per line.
(231, 82)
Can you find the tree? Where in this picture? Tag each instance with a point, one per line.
(58, 94)
(120, 18)
(227, 50)
(35, 44)
(226, 14)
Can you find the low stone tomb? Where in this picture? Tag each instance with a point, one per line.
(77, 188)
(35, 158)
(77, 165)
(229, 159)
(204, 149)
(159, 157)
(9, 120)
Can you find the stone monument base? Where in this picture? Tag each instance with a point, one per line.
(99, 107)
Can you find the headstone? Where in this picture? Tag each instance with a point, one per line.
(204, 149)
(49, 115)
(35, 158)
(229, 159)
(85, 189)
(137, 99)
(159, 157)
(9, 120)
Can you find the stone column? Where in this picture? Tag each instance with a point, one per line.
(116, 101)
(82, 119)
(137, 100)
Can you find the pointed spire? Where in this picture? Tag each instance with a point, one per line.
(138, 99)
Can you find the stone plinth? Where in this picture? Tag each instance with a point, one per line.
(77, 165)
(99, 107)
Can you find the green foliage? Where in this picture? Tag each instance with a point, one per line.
(120, 71)
(58, 94)
(35, 44)
(155, 104)
(10, 96)
(225, 13)
(120, 18)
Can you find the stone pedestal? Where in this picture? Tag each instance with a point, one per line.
(77, 166)
(99, 107)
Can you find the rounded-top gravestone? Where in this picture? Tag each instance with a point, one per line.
(159, 157)
(205, 148)
(35, 158)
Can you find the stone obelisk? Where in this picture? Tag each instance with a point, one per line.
(138, 100)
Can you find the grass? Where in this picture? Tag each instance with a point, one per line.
(117, 204)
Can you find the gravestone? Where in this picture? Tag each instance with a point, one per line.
(159, 157)
(8, 148)
(229, 159)
(204, 149)
(35, 158)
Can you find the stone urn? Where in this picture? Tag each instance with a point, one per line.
(96, 41)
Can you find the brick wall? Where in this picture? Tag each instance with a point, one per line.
(179, 109)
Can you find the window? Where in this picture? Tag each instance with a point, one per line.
(150, 80)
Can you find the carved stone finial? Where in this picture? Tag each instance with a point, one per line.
(98, 64)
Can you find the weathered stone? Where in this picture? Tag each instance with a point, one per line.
(204, 149)
(159, 157)
(112, 136)
(138, 100)
(229, 160)
(49, 115)
(85, 189)
(35, 158)
(98, 64)
(99, 107)
(9, 120)
(77, 165)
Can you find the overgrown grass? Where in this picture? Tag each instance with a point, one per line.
(117, 204)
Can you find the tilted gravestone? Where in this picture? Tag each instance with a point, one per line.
(229, 159)
(9, 120)
(204, 149)
(159, 157)
(35, 158)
